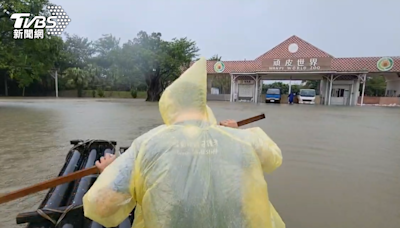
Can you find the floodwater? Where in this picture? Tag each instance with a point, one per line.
(341, 165)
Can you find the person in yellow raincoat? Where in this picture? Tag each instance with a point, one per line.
(190, 172)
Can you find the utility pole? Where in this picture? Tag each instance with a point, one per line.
(56, 83)
(54, 74)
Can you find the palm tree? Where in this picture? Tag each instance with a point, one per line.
(77, 78)
(215, 58)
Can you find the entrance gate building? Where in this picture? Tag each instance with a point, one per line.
(296, 59)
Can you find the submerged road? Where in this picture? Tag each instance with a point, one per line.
(341, 165)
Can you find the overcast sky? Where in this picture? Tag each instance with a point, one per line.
(245, 29)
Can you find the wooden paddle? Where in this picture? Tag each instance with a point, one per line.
(251, 120)
(47, 184)
(78, 175)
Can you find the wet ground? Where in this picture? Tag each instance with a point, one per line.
(341, 166)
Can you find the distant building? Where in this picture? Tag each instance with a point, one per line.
(296, 59)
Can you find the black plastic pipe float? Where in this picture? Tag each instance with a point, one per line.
(59, 193)
(83, 155)
(95, 224)
(81, 187)
(58, 196)
(86, 182)
(35, 217)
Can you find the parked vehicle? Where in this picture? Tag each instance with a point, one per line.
(306, 96)
(273, 95)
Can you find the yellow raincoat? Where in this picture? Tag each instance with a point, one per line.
(190, 172)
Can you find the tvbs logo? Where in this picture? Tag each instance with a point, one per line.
(21, 21)
(54, 24)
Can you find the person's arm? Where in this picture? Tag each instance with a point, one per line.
(229, 123)
(268, 152)
(112, 197)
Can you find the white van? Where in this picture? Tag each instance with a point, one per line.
(306, 96)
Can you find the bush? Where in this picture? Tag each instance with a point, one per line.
(93, 93)
(100, 92)
(133, 93)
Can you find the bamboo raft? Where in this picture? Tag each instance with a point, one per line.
(62, 205)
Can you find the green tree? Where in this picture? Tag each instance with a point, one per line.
(161, 62)
(376, 86)
(223, 83)
(145, 63)
(215, 58)
(131, 76)
(77, 78)
(295, 88)
(107, 56)
(78, 51)
(25, 60)
(282, 86)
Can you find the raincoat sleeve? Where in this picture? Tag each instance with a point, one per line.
(268, 152)
(111, 198)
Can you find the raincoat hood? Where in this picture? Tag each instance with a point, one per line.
(187, 95)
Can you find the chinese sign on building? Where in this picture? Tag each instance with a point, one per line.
(297, 64)
(26, 28)
(245, 82)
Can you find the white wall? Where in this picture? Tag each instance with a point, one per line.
(393, 85)
(347, 83)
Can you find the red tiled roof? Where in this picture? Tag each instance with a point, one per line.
(361, 64)
(305, 50)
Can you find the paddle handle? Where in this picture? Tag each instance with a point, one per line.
(251, 120)
(47, 184)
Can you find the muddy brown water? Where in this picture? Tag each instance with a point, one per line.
(341, 165)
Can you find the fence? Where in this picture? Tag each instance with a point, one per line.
(218, 97)
(107, 94)
(380, 100)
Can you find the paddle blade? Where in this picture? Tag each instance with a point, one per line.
(251, 120)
